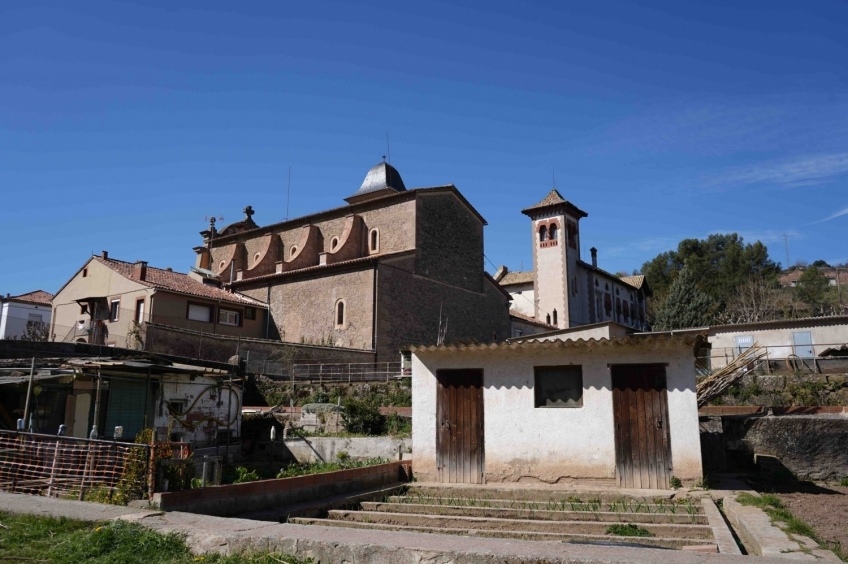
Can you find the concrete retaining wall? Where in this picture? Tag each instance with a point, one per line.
(810, 447)
(236, 499)
(325, 449)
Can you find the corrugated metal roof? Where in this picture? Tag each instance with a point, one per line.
(654, 340)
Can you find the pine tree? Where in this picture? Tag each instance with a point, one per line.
(685, 305)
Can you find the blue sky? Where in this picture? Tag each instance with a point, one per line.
(124, 125)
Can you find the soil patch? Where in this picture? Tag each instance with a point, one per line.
(824, 508)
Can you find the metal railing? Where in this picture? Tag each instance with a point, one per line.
(347, 372)
(787, 357)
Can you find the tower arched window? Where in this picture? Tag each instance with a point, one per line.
(555, 318)
(548, 319)
(340, 314)
(552, 232)
(543, 233)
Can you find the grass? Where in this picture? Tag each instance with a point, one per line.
(321, 467)
(844, 482)
(29, 538)
(628, 530)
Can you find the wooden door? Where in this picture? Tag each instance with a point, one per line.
(459, 426)
(642, 443)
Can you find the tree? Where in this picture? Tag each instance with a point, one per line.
(812, 289)
(685, 305)
(759, 299)
(820, 264)
(720, 263)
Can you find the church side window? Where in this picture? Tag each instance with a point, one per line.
(340, 314)
(374, 241)
(555, 317)
(292, 251)
(334, 242)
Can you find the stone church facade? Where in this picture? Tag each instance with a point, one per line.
(562, 289)
(392, 268)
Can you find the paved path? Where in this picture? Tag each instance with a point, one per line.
(329, 544)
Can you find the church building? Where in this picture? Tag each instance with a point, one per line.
(392, 268)
(563, 290)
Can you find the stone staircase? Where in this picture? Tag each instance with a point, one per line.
(606, 518)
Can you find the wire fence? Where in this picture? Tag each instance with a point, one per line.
(791, 357)
(73, 468)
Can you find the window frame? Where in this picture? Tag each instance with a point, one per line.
(547, 371)
(210, 307)
(228, 311)
(114, 310)
(340, 307)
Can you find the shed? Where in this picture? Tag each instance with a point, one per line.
(622, 410)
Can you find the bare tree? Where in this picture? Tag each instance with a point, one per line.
(759, 299)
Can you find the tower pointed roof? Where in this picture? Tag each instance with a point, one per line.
(381, 179)
(553, 201)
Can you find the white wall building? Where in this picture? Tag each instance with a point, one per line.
(622, 410)
(27, 314)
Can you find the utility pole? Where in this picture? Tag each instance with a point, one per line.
(786, 242)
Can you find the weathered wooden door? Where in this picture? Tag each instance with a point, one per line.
(642, 443)
(459, 426)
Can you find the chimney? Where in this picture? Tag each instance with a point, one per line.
(105, 255)
(594, 252)
(140, 270)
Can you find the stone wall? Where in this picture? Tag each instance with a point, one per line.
(811, 447)
(221, 348)
(303, 309)
(409, 306)
(449, 241)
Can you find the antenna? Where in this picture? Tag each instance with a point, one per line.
(288, 194)
(388, 150)
(786, 242)
(553, 176)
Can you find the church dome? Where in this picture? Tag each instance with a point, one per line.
(381, 179)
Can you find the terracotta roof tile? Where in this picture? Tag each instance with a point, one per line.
(516, 278)
(176, 282)
(554, 198)
(39, 297)
(532, 320)
(635, 281)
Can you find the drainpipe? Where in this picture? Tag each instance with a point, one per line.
(96, 405)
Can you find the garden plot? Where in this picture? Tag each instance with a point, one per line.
(600, 518)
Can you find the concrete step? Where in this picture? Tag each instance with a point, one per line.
(698, 545)
(535, 513)
(690, 532)
(490, 491)
(320, 506)
(683, 506)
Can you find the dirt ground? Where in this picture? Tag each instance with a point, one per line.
(823, 507)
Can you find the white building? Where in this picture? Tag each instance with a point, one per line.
(620, 409)
(26, 315)
(562, 289)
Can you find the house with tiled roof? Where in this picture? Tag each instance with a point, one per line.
(26, 316)
(391, 268)
(563, 290)
(110, 302)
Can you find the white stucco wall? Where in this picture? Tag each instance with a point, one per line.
(605, 331)
(14, 317)
(525, 443)
(523, 299)
(779, 340)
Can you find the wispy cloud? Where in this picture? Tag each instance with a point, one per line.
(840, 213)
(727, 126)
(800, 171)
(765, 236)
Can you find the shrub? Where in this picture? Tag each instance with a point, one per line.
(363, 416)
(628, 530)
(245, 475)
(675, 482)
